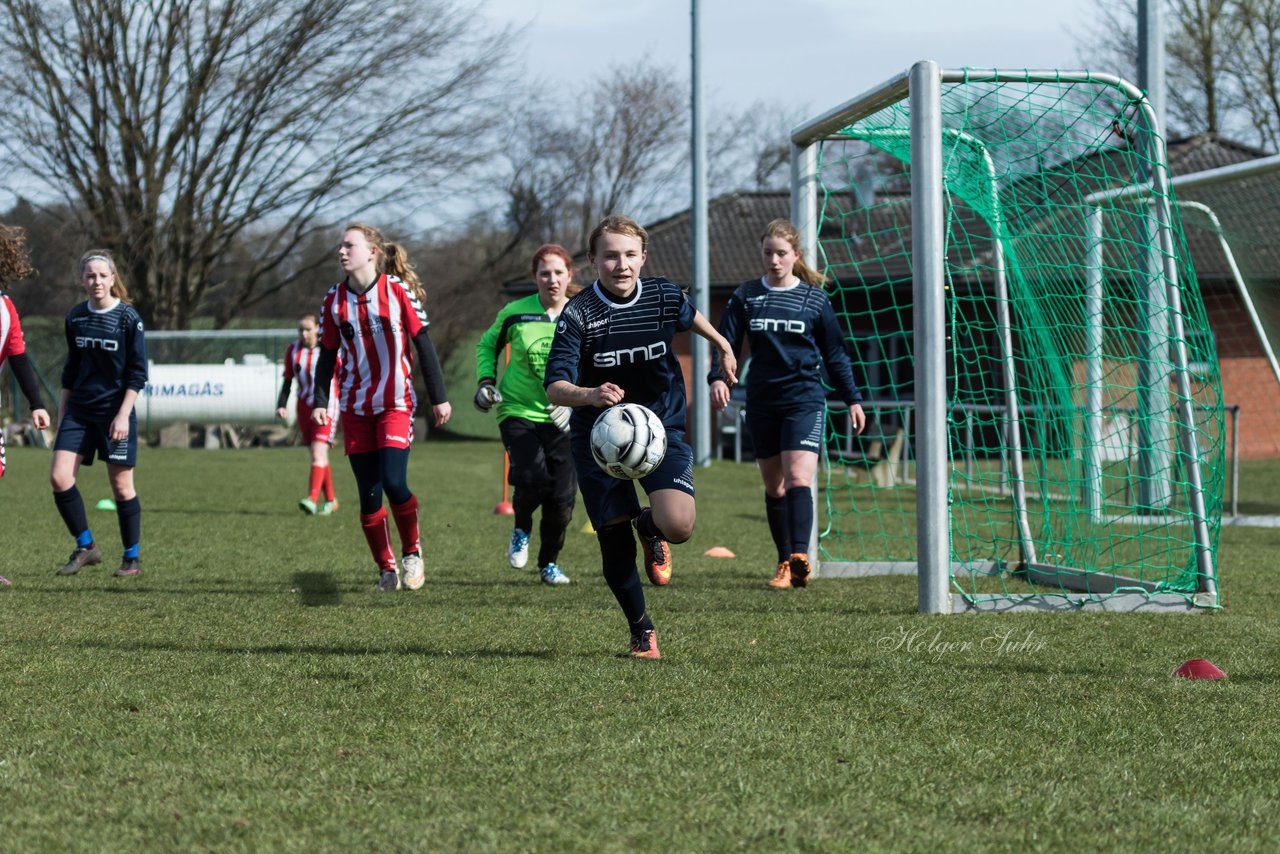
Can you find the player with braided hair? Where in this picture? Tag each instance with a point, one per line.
(376, 317)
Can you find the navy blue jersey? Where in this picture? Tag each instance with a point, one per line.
(792, 331)
(599, 340)
(106, 356)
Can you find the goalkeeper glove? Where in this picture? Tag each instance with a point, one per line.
(486, 396)
(560, 416)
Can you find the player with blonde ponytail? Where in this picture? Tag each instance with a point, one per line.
(793, 331)
(377, 318)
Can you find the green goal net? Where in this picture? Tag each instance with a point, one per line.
(1083, 414)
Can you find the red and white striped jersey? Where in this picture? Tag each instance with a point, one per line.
(11, 341)
(300, 363)
(373, 332)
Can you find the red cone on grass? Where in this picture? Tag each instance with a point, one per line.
(1198, 668)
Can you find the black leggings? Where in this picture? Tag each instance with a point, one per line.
(384, 469)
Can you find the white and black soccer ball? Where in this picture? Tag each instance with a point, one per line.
(628, 441)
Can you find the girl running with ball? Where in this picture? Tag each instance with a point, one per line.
(614, 343)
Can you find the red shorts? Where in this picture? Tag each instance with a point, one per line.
(364, 433)
(309, 431)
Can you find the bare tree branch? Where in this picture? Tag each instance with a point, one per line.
(1223, 62)
(177, 128)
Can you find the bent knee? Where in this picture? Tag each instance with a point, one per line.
(678, 532)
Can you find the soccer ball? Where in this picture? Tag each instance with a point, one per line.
(628, 441)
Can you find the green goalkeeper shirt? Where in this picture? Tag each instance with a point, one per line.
(525, 326)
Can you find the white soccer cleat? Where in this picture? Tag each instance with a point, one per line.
(518, 550)
(414, 574)
(552, 574)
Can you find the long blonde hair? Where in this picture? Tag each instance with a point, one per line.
(393, 259)
(782, 229)
(118, 289)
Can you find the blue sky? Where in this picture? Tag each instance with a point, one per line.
(811, 53)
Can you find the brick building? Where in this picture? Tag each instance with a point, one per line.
(735, 221)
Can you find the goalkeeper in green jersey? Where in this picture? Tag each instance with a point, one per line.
(534, 432)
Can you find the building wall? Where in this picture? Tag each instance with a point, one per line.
(1249, 383)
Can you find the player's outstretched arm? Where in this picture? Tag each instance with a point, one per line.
(728, 361)
(564, 393)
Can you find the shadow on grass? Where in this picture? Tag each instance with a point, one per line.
(213, 510)
(147, 585)
(311, 649)
(317, 589)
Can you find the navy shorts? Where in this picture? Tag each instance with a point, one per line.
(606, 497)
(87, 437)
(775, 431)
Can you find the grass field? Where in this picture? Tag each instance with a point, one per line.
(251, 691)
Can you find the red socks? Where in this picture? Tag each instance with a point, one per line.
(378, 533)
(378, 536)
(407, 522)
(328, 483)
(317, 478)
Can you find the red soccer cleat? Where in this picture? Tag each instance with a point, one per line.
(657, 557)
(645, 645)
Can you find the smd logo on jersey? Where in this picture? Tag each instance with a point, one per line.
(84, 342)
(629, 356)
(776, 324)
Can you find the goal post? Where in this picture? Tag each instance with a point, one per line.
(1040, 308)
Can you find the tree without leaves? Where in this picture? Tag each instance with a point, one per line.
(618, 151)
(176, 128)
(1254, 66)
(626, 148)
(750, 148)
(1222, 62)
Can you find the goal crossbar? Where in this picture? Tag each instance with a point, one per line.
(921, 87)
